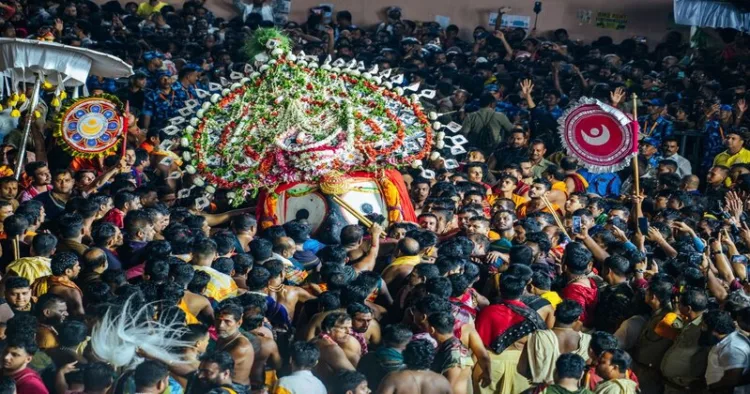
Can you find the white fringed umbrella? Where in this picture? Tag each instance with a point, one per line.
(23, 60)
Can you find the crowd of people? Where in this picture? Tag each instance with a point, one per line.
(524, 272)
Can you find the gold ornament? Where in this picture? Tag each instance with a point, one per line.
(21, 98)
(334, 183)
(63, 95)
(55, 102)
(46, 85)
(15, 113)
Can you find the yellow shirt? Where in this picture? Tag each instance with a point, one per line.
(145, 9)
(727, 159)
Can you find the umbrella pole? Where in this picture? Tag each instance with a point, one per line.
(27, 128)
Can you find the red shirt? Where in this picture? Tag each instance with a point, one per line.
(116, 217)
(586, 297)
(29, 382)
(495, 319)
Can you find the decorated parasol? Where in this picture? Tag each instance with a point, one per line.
(54, 66)
(600, 137)
(291, 119)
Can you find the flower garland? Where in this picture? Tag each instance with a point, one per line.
(293, 122)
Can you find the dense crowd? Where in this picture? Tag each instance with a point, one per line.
(524, 271)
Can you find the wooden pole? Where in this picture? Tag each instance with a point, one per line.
(125, 126)
(636, 175)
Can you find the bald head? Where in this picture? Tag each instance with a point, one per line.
(690, 182)
(94, 259)
(284, 246)
(408, 247)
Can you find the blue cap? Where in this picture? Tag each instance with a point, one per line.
(725, 107)
(491, 88)
(162, 73)
(655, 102)
(192, 67)
(650, 141)
(150, 55)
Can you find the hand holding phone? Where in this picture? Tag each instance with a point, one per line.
(643, 225)
(576, 225)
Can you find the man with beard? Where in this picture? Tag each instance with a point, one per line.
(420, 190)
(51, 311)
(214, 376)
(16, 357)
(338, 349)
(159, 104)
(539, 189)
(228, 321)
(41, 180)
(65, 268)
(536, 156)
(417, 378)
(655, 125)
(513, 152)
(54, 200)
(365, 329)
(502, 226)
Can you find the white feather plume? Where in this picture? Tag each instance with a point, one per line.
(116, 338)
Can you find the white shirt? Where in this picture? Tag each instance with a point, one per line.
(266, 11)
(301, 382)
(683, 165)
(731, 353)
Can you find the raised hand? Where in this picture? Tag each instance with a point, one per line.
(526, 87)
(617, 96)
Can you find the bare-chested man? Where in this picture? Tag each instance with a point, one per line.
(286, 295)
(338, 349)
(452, 359)
(196, 306)
(361, 258)
(267, 360)
(349, 295)
(228, 320)
(417, 378)
(65, 268)
(364, 327)
(407, 258)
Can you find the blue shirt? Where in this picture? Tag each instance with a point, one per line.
(658, 130)
(183, 94)
(312, 245)
(151, 81)
(160, 106)
(713, 142)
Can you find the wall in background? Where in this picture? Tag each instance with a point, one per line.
(649, 18)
